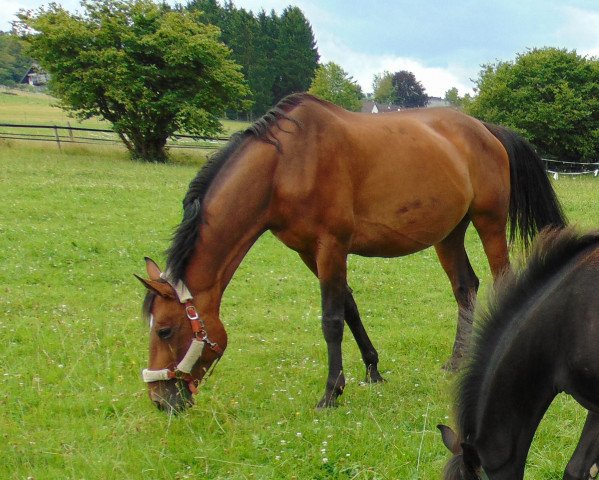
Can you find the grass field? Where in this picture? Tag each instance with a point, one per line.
(27, 107)
(74, 228)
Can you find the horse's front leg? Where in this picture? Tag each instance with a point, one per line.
(332, 271)
(369, 353)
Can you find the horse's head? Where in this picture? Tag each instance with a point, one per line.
(183, 345)
(465, 464)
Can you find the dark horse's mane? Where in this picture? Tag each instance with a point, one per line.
(553, 250)
(185, 236)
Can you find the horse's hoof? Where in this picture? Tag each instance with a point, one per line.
(324, 404)
(373, 376)
(328, 401)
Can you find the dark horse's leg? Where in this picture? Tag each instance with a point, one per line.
(585, 461)
(464, 282)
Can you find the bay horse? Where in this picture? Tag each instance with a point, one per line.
(329, 183)
(538, 337)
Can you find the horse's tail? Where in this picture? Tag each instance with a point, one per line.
(533, 202)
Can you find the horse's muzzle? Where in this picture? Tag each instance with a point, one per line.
(172, 396)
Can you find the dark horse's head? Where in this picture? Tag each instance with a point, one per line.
(183, 346)
(465, 463)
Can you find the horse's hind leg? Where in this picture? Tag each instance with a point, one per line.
(584, 463)
(464, 283)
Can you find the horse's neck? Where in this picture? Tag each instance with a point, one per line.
(235, 214)
(512, 402)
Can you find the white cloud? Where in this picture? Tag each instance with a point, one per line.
(8, 9)
(580, 30)
(363, 67)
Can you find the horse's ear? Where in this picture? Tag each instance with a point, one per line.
(450, 439)
(470, 456)
(159, 288)
(152, 268)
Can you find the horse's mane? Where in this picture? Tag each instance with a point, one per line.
(185, 236)
(553, 250)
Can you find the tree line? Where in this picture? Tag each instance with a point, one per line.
(277, 53)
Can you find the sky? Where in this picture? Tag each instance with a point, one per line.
(444, 43)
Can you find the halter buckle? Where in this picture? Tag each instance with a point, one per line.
(191, 311)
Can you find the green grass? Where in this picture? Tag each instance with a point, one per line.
(75, 227)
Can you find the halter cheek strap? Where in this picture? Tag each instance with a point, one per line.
(195, 350)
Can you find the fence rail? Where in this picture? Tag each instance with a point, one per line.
(96, 136)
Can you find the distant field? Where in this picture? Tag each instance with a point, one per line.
(75, 227)
(18, 106)
(33, 108)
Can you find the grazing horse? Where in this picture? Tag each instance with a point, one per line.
(539, 337)
(328, 183)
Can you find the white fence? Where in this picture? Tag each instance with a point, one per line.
(552, 167)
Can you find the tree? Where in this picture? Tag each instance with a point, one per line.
(453, 97)
(148, 69)
(265, 70)
(399, 88)
(332, 83)
(550, 95)
(296, 56)
(278, 55)
(14, 63)
(409, 92)
(382, 87)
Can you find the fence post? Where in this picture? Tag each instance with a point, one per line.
(70, 132)
(57, 137)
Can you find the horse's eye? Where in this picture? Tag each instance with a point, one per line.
(165, 333)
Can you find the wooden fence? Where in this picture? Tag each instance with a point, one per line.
(95, 136)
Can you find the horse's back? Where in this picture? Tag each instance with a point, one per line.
(395, 182)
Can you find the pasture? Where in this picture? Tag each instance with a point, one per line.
(74, 228)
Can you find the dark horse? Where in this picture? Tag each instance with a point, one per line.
(538, 338)
(328, 183)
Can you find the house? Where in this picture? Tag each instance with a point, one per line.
(437, 102)
(35, 76)
(370, 106)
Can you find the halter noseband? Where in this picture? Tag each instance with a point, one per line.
(194, 352)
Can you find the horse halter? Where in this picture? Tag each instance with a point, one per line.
(200, 339)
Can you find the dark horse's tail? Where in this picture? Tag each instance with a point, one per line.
(533, 202)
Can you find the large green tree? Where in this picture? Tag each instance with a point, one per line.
(383, 89)
(409, 92)
(550, 95)
(278, 54)
(14, 62)
(148, 69)
(296, 56)
(399, 88)
(332, 83)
